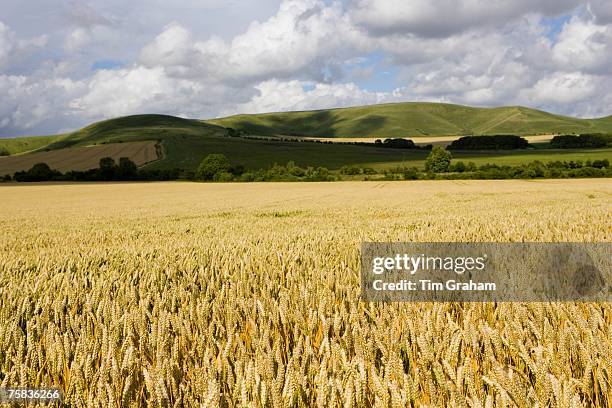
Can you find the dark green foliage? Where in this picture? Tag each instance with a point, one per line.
(493, 142)
(438, 160)
(399, 143)
(126, 170)
(38, 172)
(211, 165)
(4, 151)
(458, 167)
(107, 168)
(594, 140)
(350, 170)
(411, 173)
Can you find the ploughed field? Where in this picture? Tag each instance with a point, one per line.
(80, 158)
(186, 294)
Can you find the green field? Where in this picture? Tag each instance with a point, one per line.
(28, 143)
(185, 141)
(413, 119)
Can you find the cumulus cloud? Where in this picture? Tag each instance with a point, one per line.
(441, 18)
(584, 45)
(275, 96)
(306, 54)
(305, 37)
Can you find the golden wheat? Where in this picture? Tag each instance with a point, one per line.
(182, 294)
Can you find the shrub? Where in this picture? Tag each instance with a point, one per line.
(601, 164)
(399, 143)
(438, 160)
(369, 170)
(107, 168)
(411, 173)
(126, 170)
(4, 152)
(211, 165)
(493, 142)
(593, 140)
(458, 167)
(38, 172)
(350, 170)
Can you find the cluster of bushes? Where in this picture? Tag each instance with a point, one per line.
(355, 170)
(493, 142)
(592, 140)
(399, 143)
(108, 170)
(217, 167)
(535, 169)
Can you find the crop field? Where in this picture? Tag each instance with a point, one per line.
(187, 294)
(80, 158)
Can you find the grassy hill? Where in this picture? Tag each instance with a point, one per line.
(186, 141)
(413, 119)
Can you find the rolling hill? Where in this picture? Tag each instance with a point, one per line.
(412, 119)
(184, 142)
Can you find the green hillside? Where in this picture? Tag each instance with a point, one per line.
(184, 142)
(412, 119)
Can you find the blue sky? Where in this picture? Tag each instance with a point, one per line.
(67, 63)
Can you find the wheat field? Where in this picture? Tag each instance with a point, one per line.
(247, 295)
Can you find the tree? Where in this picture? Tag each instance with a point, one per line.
(107, 168)
(211, 165)
(438, 160)
(126, 170)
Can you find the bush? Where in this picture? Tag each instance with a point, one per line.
(438, 160)
(411, 173)
(493, 142)
(223, 176)
(211, 165)
(38, 172)
(593, 140)
(399, 143)
(601, 164)
(4, 152)
(350, 170)
(458, 167)
(127, 169)
(107, 168)
(369, 170)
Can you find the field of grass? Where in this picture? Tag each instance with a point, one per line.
(18, 145)
(412, 119)
(80, 158)
(501, 157)
(186, 294)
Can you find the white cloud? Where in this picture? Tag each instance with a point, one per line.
(584, 45)
(441, 18)
(307, 54)
(275, 96)
(77, 38)
(562, 88)
(305, 37)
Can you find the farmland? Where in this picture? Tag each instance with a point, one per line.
(192, 294)
(266, 139)
(81, 158)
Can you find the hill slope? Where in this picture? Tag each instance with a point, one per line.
(412, 119)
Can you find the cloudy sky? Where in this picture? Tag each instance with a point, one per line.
(67, 63)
